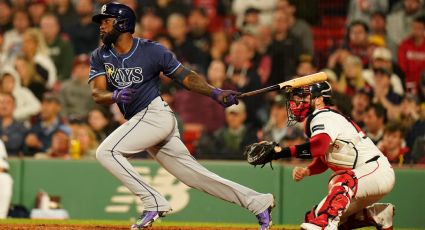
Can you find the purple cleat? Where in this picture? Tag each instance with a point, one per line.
(265, 218)
(146, 219)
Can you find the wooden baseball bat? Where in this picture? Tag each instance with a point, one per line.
(294, 83)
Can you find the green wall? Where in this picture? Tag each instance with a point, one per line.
(88, 191)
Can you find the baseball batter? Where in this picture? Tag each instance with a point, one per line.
(362, 175)
(125, 71)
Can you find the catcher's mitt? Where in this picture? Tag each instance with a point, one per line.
(261, 153)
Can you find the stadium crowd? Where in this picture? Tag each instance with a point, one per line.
(376, 70)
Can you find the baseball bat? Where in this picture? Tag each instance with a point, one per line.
(294, 83)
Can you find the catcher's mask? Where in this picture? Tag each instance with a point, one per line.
(299, 102)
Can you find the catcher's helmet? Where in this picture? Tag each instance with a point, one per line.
(321, 89)
(124, 15)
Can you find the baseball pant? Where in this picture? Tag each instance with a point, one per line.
(155, 129)
(6, 186)
(375, 180)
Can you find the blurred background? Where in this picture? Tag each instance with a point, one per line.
(372, 50)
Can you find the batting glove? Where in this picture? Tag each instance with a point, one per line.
(226, 98)
(124, 96)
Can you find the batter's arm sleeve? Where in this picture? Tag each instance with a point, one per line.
(317, 166)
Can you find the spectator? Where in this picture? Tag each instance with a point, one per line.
(408, 112)
(60, 48)
(383, 93)
(12, 132)
(183, 46)
(13, 38)
(374, 120)
(251, 21)
(75, 93)
(357, 40)
(266, 8)
(360, 101)
(60, 144)
(168, 7)
(34, 48)
(276, 127)
(6, 11)
(36, 9)
(392, 144)
(65, 11)
(39, 138)
(284, 50)
(219, 45)
(261, 61)
(100, 121)
(335, 60)
(298, 27)
(363, 10)
(198, 29)
(351, 78)
(150, 25)
(210, 116)
(29, 78)
(305, 66)
(411, 54)
(26, 104)
(6, 183)
(399, 22)
(229, 141)
(242, 74)
(378, 27)
(415, 139)
(382, 58)
(84, 34)
(87, 141)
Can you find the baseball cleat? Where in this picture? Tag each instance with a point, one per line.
(382, 214)
(146, 219)
(265, 218)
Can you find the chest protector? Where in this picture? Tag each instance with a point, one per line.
(341, 153)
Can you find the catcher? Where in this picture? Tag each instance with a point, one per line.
(362, 175)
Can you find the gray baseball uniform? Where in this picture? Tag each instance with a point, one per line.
(152, 126)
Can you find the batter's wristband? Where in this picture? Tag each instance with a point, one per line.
(215, 93)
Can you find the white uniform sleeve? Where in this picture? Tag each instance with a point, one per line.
(325, 123)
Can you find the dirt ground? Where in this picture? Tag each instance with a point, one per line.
(86, 227)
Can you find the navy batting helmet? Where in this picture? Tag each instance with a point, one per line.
(321, 89)
(124, 15)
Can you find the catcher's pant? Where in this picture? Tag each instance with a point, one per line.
(155, 129)
(6, 183)
(375, 180)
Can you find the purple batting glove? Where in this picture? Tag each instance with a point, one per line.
(124, 95)
(226, 98)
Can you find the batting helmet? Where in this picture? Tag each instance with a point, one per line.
(321, 89)
(124, 15)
